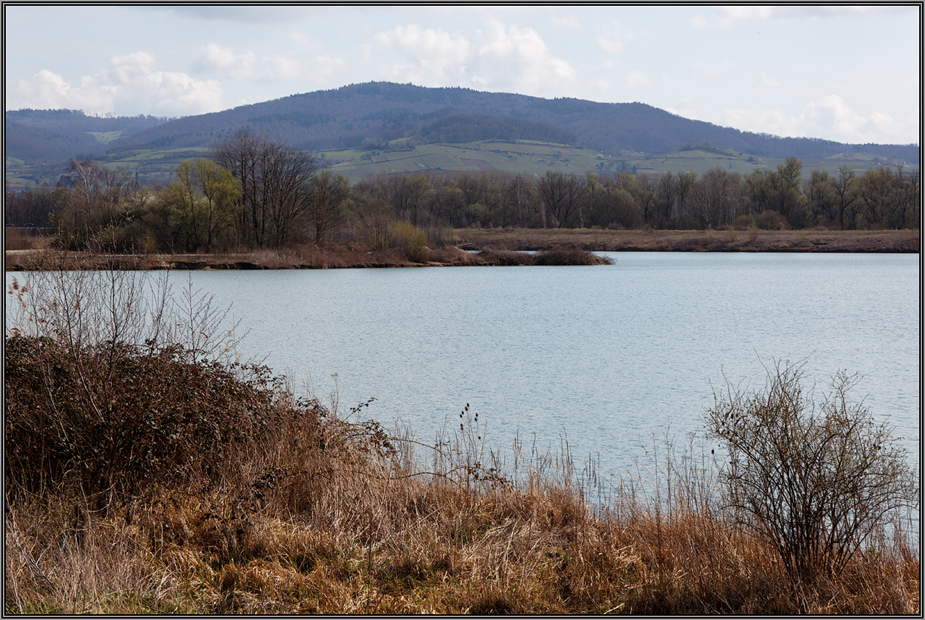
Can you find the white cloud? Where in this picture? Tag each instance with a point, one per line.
(247, 66)
(829, 118)
(635, 79)
(713, 69)
(302, 40)
(683, 107)
(44, 90)
(280, 68)
(569, 22)
(501, 57)
(762, 121)
(131, 83)
(728, 16)
(214, 57)
(768, 81)
(722, 17)
(613, 38)
(262, 14)
(175, 92)
(324, 67)
(831, 115)
(518, 56)
(431, 54)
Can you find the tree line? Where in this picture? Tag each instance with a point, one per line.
(254, 192)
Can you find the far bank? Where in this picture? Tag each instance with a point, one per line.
(488, 247)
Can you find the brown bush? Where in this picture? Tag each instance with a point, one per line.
(505, 258)
(116, 418)
(570, 256)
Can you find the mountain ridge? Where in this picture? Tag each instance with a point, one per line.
(377, 113)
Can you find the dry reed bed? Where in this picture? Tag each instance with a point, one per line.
(305, 257)
(359, 528)
(729, 240)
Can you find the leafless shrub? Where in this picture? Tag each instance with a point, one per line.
(813, 482)
(119, 307)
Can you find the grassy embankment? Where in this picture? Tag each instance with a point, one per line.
(498, 246)
(147, 479)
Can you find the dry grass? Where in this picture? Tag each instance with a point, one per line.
(330, 256)
(18, 239)
(731, 240)
(299, 257)
(377, 524)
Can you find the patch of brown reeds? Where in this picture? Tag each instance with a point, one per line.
(329, 256)
(348, 529)
(308, 256)
(509, 258)
(725, 240)
(17, 238)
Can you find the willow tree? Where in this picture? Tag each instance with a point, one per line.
(204, 198)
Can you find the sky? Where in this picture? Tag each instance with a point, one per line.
(847, 73)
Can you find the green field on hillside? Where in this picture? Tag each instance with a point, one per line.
(537, 158)
(531, 158)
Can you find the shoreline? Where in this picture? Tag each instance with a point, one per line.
(486, 247)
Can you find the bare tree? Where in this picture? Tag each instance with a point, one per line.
(880, 191)
(717, 198)
(92, 206)
(563, 196)
(274, 186)
(819, 192)
(644, 190)
(377, 214)
(522, 208)
(241, 155)
(287, 176)
(328, 193)
(844, 185)
(408, 194)
(909, 196)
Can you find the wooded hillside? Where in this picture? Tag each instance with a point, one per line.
(378, 112)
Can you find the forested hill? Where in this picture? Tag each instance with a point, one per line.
(374, 113)
(58, 135)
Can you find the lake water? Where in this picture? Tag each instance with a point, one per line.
(607, 357)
